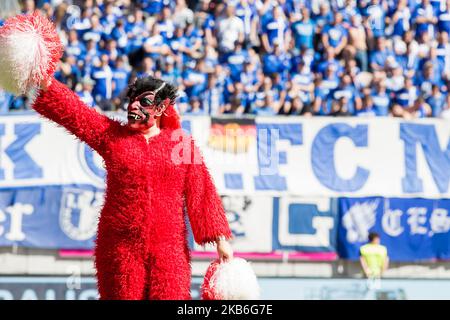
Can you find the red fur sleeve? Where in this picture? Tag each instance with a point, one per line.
(63, 106)
(206, 213)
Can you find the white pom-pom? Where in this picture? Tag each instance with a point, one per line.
(29, 51)
(233, 280)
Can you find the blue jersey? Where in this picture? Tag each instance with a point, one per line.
(103, 82)
(199, 79)
(405, 98)
(336, 34)
(77, 49)
(212, 100)
(348, 92)
(120, 77)
(166, 29)
(152, 7)
(86, 97)
(381, 103)
(275, 29)
(444, 21)
(236, 64)
(437, 104)
(376, 16)
(403, 23)
(303, 34)
(247, 14)
(424, 12)
(275, 64)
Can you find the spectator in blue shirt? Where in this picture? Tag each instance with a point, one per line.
(75, 47)
(335, 35)
(95, 32)
(195, 80)
(401, 18)
(274, 30)
(147, 68)
(405, 99)
(109, 18)
(443, 49)
(321, 103)
(165, 23)
(235, 61)
(170, 71)
(302, 84)
(152, 7)
(347, 89)
(267, 106)
(212, 98)
(195, 107)
(380, 55)
(103, 77)
(367, 108)
(85, 93)
(111, 49)
(303, 31)
(155, 46)
(119, 34)
(121, 77)
(246, 11)
(277, 61)
(323, 18)
(376, 18)
(427, 79)
(381, 99)
(424, 18)
(420, 109)
(330, 60)
(436, 101)
(444, 19)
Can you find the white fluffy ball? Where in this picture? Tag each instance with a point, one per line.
(233, 280)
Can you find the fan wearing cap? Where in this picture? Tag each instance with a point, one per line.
(154, 172)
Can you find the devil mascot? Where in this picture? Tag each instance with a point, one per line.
(155, 173)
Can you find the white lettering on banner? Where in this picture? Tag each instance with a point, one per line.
(391, 222)
(439, 221)
(359, 219)
(416, 220)
(88, 204)
(17, 211)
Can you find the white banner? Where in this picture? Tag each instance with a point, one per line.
(311, 157)
(331, 157)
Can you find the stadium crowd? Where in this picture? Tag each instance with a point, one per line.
(263, 57)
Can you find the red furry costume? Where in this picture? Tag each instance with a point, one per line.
(141, 248)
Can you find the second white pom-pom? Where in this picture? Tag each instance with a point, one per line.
(233, 280)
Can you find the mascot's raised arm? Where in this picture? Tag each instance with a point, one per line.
(141, 249)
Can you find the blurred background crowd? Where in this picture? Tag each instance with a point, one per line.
(262, 57)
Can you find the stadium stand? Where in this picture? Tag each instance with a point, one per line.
(286, 57)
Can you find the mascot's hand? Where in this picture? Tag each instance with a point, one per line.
(224, 250)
